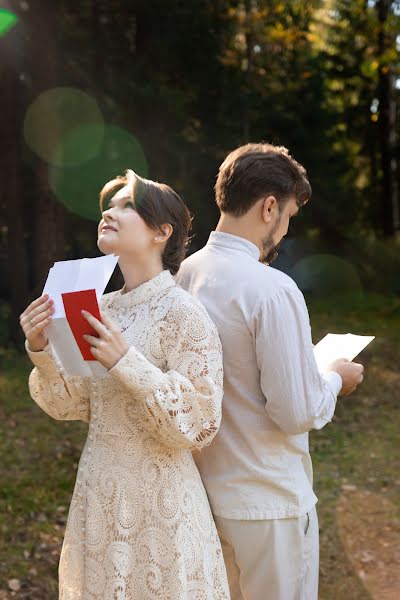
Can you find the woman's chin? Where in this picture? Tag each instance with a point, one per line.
(105, 247)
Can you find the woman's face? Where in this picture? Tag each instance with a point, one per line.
(122, 231)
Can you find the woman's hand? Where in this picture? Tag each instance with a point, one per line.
(35, 319)
(110, 346)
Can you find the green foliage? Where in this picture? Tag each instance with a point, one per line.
(186, 82)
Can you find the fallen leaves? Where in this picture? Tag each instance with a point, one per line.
(370, 534)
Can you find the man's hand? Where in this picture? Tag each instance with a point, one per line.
(35, 319)
(351, 374)
(111, 345)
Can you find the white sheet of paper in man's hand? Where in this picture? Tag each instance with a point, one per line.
(334, 346)
(74, 276)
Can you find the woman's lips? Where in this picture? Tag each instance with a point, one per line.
(108, 228)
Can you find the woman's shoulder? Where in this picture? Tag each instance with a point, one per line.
(186, 306)
(106, 299)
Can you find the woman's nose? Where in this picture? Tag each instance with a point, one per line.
(107, 214)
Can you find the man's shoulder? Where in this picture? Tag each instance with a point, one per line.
(193, 258)
(253, 277)
(278, 278)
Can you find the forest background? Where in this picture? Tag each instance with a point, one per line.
(168, 88)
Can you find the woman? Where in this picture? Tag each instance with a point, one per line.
(139, 525)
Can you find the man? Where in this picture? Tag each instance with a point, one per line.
(258, 471)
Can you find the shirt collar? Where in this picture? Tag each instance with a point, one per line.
(233, 242)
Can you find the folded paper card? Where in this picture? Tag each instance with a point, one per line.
(74, 303)
(334, 346)
(88, 277)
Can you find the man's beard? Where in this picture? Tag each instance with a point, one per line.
(269, 252)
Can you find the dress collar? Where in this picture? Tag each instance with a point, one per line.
(233, 242)
(146, 291)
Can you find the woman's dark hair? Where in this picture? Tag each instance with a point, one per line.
(157, 204)
(254, 171)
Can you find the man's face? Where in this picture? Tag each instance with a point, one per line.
(271, 243)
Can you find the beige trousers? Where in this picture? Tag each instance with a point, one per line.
(275, 559)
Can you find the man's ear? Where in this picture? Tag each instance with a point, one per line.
(269, 207)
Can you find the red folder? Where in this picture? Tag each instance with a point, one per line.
(74, 303)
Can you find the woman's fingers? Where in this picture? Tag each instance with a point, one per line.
(33, 305)
(37, 321)
(38, 327)
(92, 340)
(42, 313)
(108, 322)
(95, 323)
(37, 310)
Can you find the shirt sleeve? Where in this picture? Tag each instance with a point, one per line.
(298, 397)
(60, 396)
(182, 406)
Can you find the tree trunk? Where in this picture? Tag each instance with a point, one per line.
(11, 196)
(10, 144)
(48, 227)
(248, 70)
(387, 130)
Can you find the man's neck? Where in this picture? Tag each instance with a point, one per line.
(236, 226)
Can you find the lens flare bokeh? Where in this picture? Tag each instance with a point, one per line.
(78, 187)
(64, 127)
(325, 275)
(7, 21)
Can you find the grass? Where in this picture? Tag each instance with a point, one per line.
(360, 448)
(38, 457)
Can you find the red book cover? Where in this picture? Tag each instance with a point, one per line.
(74, 303)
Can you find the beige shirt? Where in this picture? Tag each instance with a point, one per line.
(259, 466)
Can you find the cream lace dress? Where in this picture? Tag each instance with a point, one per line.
(140, 525)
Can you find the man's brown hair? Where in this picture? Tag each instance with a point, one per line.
(254, 171)
(156, 203)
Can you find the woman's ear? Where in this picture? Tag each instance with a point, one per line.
(164, 233)
(269, 207)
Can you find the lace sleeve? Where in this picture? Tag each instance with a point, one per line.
(62, 397)
(183, 405)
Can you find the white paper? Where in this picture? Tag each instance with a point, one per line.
(74, 276)
(334, 346)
